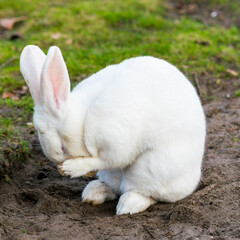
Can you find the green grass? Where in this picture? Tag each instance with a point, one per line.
(13, 149)
(237, 93)
(106, 32)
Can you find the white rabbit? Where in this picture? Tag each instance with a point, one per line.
(139, 123)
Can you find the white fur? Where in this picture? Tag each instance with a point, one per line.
(97, 192)
(133, 202)
(140, 123)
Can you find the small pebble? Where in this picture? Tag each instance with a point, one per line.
(227, 95)
(30, 124)
(214, 14)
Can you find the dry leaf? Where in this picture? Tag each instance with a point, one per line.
(191, 8)
(232, 72)
(56, 36)
(69, 41)
(8, 23)
(15, 94)
(9, 95)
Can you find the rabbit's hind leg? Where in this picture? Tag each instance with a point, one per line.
(107, 188)
(97, 192)
(133, 202)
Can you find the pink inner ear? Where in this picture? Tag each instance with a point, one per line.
(56, 76)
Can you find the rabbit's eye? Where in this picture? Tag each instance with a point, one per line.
(63, 149)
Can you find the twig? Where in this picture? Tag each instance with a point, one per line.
(148, 232)
(197, 85)
(7, 62)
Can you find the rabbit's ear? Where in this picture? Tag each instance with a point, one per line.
(31, 63)
(55, 84)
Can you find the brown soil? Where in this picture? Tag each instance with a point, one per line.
(208, 12)
(38, 203)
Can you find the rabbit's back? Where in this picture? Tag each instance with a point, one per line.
(147, 103)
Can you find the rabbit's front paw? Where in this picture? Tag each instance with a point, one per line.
(97, 192)
(69, 168)
(82, 166)
(133, 202)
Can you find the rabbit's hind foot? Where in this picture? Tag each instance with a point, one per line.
(97, 192)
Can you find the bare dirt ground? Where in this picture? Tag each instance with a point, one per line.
(38, 203)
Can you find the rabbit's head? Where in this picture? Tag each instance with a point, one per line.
(48, 81)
